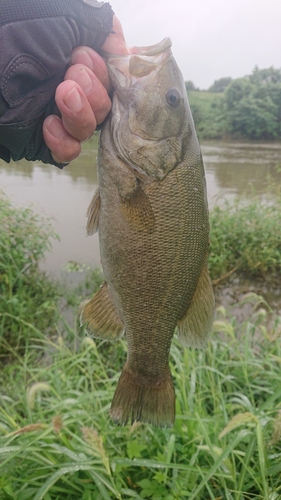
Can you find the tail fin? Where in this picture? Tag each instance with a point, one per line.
(137, 400)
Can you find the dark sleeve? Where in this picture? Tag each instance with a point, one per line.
(36, 41)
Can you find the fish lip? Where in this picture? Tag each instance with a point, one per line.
(148, 50)
(119, 64)
(152, 50)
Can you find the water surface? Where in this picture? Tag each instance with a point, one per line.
(64, 195)
(240, 169)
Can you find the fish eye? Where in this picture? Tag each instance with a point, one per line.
(173, 97)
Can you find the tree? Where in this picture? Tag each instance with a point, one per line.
(249, 107)
(251, 111)
(189, 85)
(237, 90)
(268, 86)
(265, 76)
(220, 85)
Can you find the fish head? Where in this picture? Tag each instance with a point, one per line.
(151, 121)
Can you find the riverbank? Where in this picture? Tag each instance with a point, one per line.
(245, 108)
(245, 257)
(56, 438)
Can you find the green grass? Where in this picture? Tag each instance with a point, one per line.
(207, 113)
(246, 236)
(57, 440)
(28, 300)
(204, 99)
(56, 437)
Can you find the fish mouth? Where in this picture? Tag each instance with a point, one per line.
(149, 50)
(125, 70)
(153, 50)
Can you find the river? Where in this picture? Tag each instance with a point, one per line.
(232, 169)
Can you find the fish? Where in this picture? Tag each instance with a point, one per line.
(151, 214)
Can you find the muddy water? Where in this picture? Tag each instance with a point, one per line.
(231, 169)
(62, 195)
(241, 169)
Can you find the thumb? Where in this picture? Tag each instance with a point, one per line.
(115, 42)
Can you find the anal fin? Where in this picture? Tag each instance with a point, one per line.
(100, 317)
(194, 327)
(93, 214)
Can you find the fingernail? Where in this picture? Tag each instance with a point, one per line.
(83, 79)
(73, 100)
(55, 128)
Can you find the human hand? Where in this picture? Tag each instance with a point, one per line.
(82, 98)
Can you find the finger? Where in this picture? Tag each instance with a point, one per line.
(115, 42)
(92, 60)
(77, 115)
(64, 147)
(93, 89)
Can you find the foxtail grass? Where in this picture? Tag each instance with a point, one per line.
(57, 440)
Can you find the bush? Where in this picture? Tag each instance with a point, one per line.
(245, 236)
(28, 299)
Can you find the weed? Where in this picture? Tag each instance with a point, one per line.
(56, 438)
(28, 300)
(246, 237)
(58, 442)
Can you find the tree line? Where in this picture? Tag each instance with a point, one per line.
(248, 107)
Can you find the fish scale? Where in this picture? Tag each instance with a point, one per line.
(152, 217)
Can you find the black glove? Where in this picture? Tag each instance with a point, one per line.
(36, 41)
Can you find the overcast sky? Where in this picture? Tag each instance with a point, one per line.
(211, 38)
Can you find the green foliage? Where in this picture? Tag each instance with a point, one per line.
(207, 112)
(249, 107)
(189, 85)
(251, 112)
(28, 299)
(265, 76)
(220, 85)
(238, 90)
(245, 236)
(56, 439)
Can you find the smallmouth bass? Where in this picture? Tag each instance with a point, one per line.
(152, 217)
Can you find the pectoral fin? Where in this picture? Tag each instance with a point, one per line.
(100, 316)
(138, 211)
(196, 324)
(93, 214)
